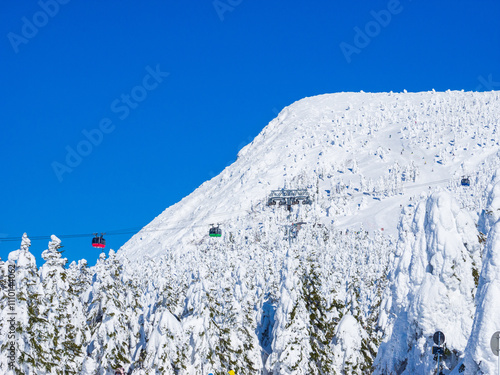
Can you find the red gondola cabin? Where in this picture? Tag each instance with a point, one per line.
(98, 241)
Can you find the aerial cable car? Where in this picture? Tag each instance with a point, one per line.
(99, 242)
(215, 231)
(465, 181)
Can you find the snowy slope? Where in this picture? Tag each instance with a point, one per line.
(361, 155)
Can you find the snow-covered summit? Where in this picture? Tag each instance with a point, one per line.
(362, 156)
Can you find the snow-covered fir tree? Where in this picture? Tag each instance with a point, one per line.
(66, 326)
(291, 348)
(321, 321)
(110, 326)
(30, 310)
(480, 359)
(439, 285)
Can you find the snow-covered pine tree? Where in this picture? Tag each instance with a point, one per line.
(246, 330)
(321, 325)
(347, 344)
(80, 281)
(291, 348)
(66, 324)
(31, 330)
(135, 319)
(109, 347)
(395, 303)
(224, 313)
(491, 214)
(214, 316)
(480, 359)
(349, 349)
(199, 325)
(439, 285)
(166, 344)
(173, 287)
(237, 347)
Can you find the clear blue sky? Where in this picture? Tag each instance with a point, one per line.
(232, 65)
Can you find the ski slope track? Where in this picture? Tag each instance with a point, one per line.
(363, 156)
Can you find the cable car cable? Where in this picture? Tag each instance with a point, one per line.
(136, 230)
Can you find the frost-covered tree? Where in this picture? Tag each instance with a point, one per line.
(228, 346)
(237, 345)
(64, 315)
(351, 353)
(80, 281)
(321, 322)
(347, 344)
(165, 348)
(245, 300)
(32, 326)
(135, 319)
(435, 292)
(291, 348)
(479, 358)
(491, 214)
(110, 345)
(199, 324)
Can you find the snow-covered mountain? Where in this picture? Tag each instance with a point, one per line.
(361, 155)
(399, 241)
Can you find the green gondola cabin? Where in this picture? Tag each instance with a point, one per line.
(215, 231)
